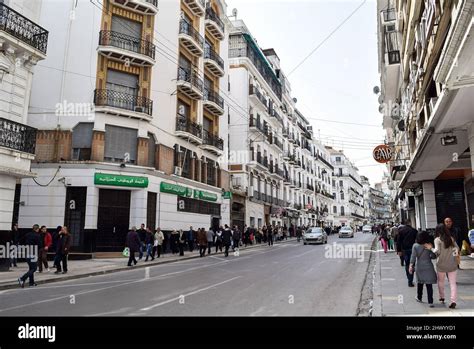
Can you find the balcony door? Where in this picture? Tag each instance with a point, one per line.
(123, 89)
(208, 87)
(126, 34)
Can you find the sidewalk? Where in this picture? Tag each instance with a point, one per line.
(393, 297)
(83, 268)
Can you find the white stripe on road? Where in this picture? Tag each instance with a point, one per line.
(188, 294)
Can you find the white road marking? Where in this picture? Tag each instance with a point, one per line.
(188, 294)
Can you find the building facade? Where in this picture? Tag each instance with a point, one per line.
(348, 208)
(23, 44)
(129, 109)
(279, 176)
(425, 63)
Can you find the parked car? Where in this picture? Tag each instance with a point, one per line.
(367, 229)
(346, 232)
(315, 235)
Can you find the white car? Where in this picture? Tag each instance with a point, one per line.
(346, 232)
(367, 229)
(315, 235)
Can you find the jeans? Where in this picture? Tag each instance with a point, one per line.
(429, 291)
(31, 271)
(57, 262)
(270, 240)
(140, 253)
(452, 275)
(406, 257)
(149, 250)
(202, 250)
(209, 245)
(131, 259)
(236, 245)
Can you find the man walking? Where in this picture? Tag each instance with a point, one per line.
(133, 244)
(142, 236)
(405, 241)
(210, 239)
(46, 241)
(159, 238)
(270, 235)
(149, 242)
(190, 238)
(32, 240)
(226, 239)
(236, 236)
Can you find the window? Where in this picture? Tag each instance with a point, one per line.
(127, 27)
(151, 150)
(342, 210)
(183, 160)
(82, 141)
(342, 196)
(123, 83)
(184, 109)
(338, 159)
(198, 206)
(259, 223)
(120, 144)
(341, 184)
(211, 172)
(252, 221)
(334, 209)
(340, 171)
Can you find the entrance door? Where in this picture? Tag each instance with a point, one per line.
(113, 219)
(74, 216)
(450, 203)
(215, 223)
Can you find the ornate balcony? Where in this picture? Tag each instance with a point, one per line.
(214, 24)
(145, 7)
(16, 136)
(126, 48)
(190, 84)
(188, 129)
(190, 38)
(213, 103)
(212, 142)
(197, 7)
(213, 62)
(119, 103)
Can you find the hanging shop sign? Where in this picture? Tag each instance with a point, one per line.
(382, 153)
(227, 195)
(175, 189)
(120, 180)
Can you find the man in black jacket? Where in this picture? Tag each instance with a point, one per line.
(405, 241)
(142, 236)
(32, 240)
(226, 239)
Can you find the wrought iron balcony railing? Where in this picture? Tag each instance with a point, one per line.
(212, 15)
(188, 29)
(213, 96)
(127, 42)
(190, 76)
(23, 29)
(116, 99)
(211, 139)
(16, 136)
(186, 125)
(209, 53)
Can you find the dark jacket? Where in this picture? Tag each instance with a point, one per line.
(15, 237)
(64, 243)
(149, 238)
(406, 238)
(133, 241)
(32, 239)
(202, 237)
(236, 235)
(226, 236)
(141, 234)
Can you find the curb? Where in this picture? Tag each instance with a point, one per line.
(12, 285)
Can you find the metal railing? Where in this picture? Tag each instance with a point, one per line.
(254, 91)
(212, 139)
(23, 29)
(212, 15)
(190, 76)
(188, 29)
(209, 53)
(116, 99)
(186, 125)
(127, 42)
(257, 123)
(213, 96)
(325, 162)
(16, 136)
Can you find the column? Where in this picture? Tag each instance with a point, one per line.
(429, 199)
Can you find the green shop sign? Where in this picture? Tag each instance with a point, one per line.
(204, 195)
(120, 181)
(227, 195)
(175, 189)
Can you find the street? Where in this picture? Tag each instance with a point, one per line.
(288, 279)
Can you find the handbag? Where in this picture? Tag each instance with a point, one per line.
(126, 252)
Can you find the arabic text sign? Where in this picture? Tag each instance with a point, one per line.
(120, 181)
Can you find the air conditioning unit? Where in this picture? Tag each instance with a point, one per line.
(193, 155)
(178, 148)
(309, 128)
(139, 109)
(177, 171)
(250, 192)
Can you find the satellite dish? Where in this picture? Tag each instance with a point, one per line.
(401, 125)
(295, 100)
(234, 13)
(376, 90)
(380, 99)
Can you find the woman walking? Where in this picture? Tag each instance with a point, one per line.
(384, 240)
(420, 262)
(447, 251)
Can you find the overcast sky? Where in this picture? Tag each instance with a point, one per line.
(336, 82)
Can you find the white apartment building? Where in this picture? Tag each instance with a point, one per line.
(129, 105)
(23, 44)
(348, 208)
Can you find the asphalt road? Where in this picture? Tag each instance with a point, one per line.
(288, 279)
